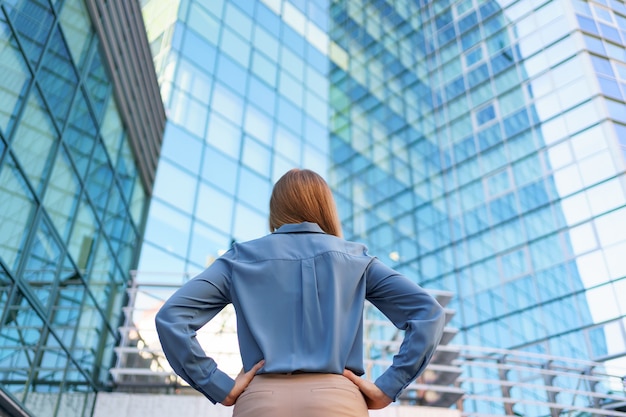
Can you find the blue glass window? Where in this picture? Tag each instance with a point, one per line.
(261, 95)
(214, 207)
(503, 208)
(181, 147)
(61, 198)
(175, 186)
(533, 196)
(35, 141)
(234, 46)
(238, 18)
(516, 123)
(15, 78)
(264, 68)
(486, 114)
(467, 22)
(219, 170)
(610, 88)
(231, 74)
(602, 66)
(168, 228)
(33, 22)
(80, 243)
(473, 56)
(16, 214)
(610, 33)
(587, 24)
(57, 77)
(224, 136)
(253, 189)
(268, 19)
(206, 244)
(293, 40)
(291, 88)
(79, 137)
(290, 116)
(198, 51)
(97, 82)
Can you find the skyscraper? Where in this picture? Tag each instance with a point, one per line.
(81, 121)
(477, 146)
(481, 146)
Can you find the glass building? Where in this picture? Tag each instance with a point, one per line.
(81, 122)
(478, 146)
(481, 145)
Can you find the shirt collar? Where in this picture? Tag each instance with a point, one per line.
(305, 227)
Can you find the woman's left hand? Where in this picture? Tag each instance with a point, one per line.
(241, 383)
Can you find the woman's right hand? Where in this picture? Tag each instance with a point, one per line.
(374, 397)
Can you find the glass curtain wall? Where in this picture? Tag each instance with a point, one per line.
(245, 87)
(71, 209)
(480, 147)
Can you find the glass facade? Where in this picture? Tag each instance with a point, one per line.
(478, 146)
(72, 208)
(246, 93)
(245, 86)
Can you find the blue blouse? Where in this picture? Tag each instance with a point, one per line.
(298, 295)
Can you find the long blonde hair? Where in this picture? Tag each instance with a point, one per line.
(302, 195)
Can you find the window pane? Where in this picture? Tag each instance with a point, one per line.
(34, 141)
(15, 77)
(81, 242)
(61, 198)
(16, 214)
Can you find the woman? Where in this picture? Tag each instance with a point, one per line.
(299, 294)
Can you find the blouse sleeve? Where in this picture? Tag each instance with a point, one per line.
(186, 311)
(413, 310)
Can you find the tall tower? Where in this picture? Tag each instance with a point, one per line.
(81, 121)
(480, 146)
(476, 146)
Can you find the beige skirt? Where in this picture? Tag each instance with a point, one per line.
(301, 395)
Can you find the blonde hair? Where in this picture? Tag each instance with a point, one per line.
(302, 195)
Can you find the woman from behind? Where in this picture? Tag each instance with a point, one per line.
(299, 295)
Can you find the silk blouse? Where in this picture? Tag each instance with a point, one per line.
(299, 296)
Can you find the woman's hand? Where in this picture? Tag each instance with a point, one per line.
(374, 397)
(241, 383)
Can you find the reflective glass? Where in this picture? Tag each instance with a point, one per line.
(20, 335)
(215, 208)
(111, 131)
(169, 229)
(253, 189)
(181, 147)
(219, 170)
(42, 263)
(35, 141)
(76, 25)
(57, 77)
(249, 224)
(202, 22)
(15, 77)
(80, 244)
(256, 156)
(33, 21)
(100, 179)
(16, 215)
(97, 82)
(175, 186)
